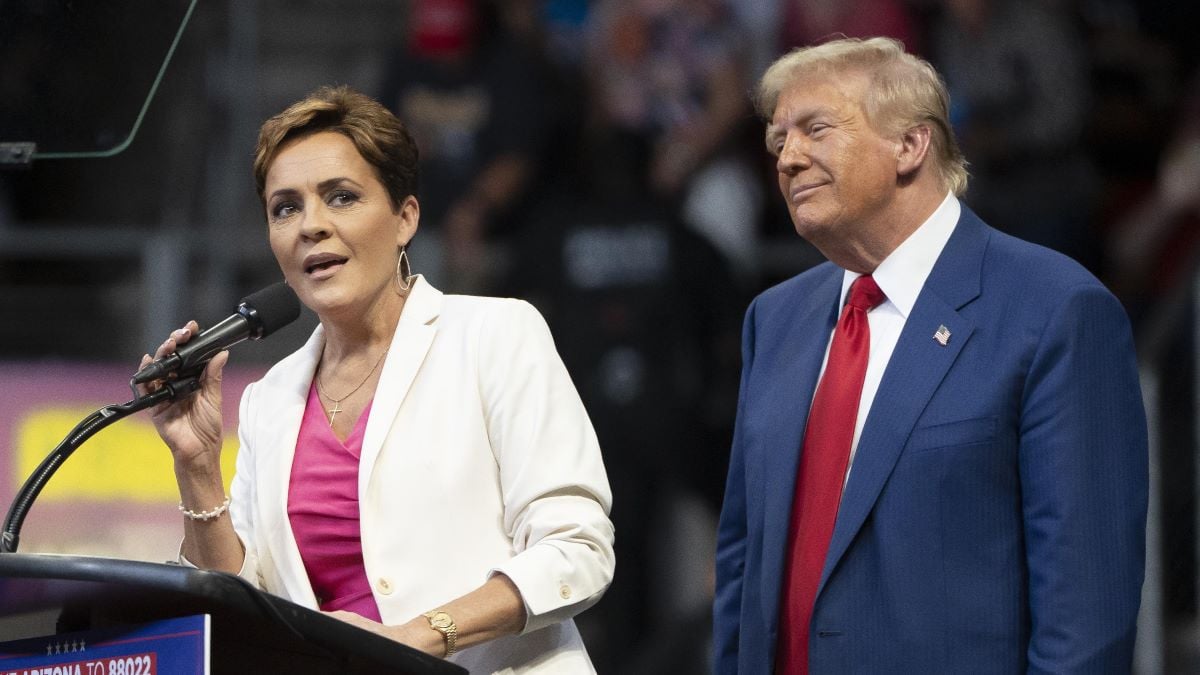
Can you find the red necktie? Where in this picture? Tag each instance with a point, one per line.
(823, 460)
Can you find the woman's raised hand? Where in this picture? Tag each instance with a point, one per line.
(191, 427)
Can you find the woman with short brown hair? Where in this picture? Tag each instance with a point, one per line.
(423, 466)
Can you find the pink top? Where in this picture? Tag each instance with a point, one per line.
(323, 509)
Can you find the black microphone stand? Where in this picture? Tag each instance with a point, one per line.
(178, 388)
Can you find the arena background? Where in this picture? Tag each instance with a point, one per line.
(625, 179)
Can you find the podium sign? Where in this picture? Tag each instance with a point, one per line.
(113, 601)
(169, 646)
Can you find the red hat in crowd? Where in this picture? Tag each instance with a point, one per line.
(443, 27)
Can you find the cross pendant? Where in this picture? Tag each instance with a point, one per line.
(337, 408)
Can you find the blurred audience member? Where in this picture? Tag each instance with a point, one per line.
(1154, 255)
(555, 29)
(808, 22)
(645, 316)
(473, 98)
(670, 74)
(564, 26)
(776, 26)
(1018, 80)
(1134, 86)
(1153, 251)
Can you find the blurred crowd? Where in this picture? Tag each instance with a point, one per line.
(601, 159)
(1078, 118)
(608, 150)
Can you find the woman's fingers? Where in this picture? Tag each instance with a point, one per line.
(184, 334)
(211, 380)
(179, 336)
(142, 389)
(165, 348)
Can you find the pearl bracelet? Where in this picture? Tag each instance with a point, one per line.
(205, 515)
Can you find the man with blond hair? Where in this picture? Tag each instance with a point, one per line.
(940, 460)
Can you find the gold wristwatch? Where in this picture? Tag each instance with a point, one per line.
(442, 623)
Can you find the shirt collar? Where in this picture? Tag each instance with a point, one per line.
(902, 274)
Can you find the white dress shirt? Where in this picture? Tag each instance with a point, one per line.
(900, 276)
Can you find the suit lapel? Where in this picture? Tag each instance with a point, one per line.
(284, 406)
(917, 367)
(794, 379)
(410, 344)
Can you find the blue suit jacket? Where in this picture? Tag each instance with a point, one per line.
(994, 517)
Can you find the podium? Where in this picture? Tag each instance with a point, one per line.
(252, 631)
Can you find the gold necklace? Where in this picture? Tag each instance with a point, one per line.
(337, 408)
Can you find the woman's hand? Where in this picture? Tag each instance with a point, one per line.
(491, 611)
(191, 427)
(416, 633)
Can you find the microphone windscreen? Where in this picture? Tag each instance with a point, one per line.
(274, 307)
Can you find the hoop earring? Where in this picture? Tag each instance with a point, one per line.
(403, 272)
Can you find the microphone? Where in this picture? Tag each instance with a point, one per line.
(258, 315)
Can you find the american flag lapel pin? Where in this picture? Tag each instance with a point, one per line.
(942, 335)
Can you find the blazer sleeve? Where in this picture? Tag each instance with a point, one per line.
(555, 489)
(1083, 467)
(242, 490)
(241, 498)
(731, 532)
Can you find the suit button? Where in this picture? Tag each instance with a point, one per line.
(564, 591)
(384, 586)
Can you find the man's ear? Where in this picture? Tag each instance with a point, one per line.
(912, 149)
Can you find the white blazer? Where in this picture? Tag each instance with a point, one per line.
(478, 458)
